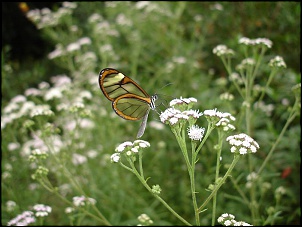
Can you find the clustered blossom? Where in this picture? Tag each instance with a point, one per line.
(156, 189)
(229, 220)
(280, 191)
(226, 96)
(277, 62)
(129, 149)
(245, 63)
(60, 50)
(221, 50)
(182, 101)
(41, 110)
(242, 144)
(82, 201)
(266, 108)
(180, 111)
(24, 219)
(78, 159)
(41, 210)
(196, 133)
(235, 77)
(10, 205)
(250, 179)
(37, 154)
(40, 172)
(220, 119)
(145, 220)
(253, 42)
(47, 18)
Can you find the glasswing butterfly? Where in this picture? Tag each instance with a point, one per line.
(129, 100)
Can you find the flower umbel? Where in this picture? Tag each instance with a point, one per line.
(221, 50)
(242, 144)
(145, 220)
(180, 112)
(82, 201)
(41, 210)
(229, 220)
(129, 149)
(277, 62)
(24, 219)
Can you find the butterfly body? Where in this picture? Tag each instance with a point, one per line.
(129, 100)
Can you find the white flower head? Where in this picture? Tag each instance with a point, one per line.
(78, 159)
(253, 42)
(179, 103)
(129, 149)
(41, 210)
(277, 62)
(82, 201)
(242, 144)
(220, 119)
(223, 50)
(73, 47)
(196, 133)
(122, 146)
(141, 143)
(192, 113)
(168, 114)
(24, 219)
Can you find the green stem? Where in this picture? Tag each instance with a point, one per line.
(217, 175)
(183, 147)
(292, 116)
(271, 76)
(192, 179)
(140, 158)
(246, 201)
(235, 160)
(143, 181)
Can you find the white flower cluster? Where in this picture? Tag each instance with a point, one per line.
(10, 205)
(37, 154)
(41, 110)
(221, 50)
(41, 210)
(242, 144)
(179, 111)
(60, 50)
(19, 107)
(226, 96)
(250, 179)
(277, 62)
(229, 220)
(145, 220)
(82, 201)
(245, 63)
(220, 119)
(196, 133)
(259, 41)
(47, 18)
(182, 101)
(24, 219)
(129, 148)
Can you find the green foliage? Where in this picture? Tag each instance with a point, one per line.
(55, 106)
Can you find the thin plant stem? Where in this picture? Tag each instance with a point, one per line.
(228, 173)
(192, 179)
(143, 181)
(292, 116)
(217, 175)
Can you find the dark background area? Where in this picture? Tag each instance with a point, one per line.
(20, 34)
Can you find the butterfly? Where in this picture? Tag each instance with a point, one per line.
(129, 100)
